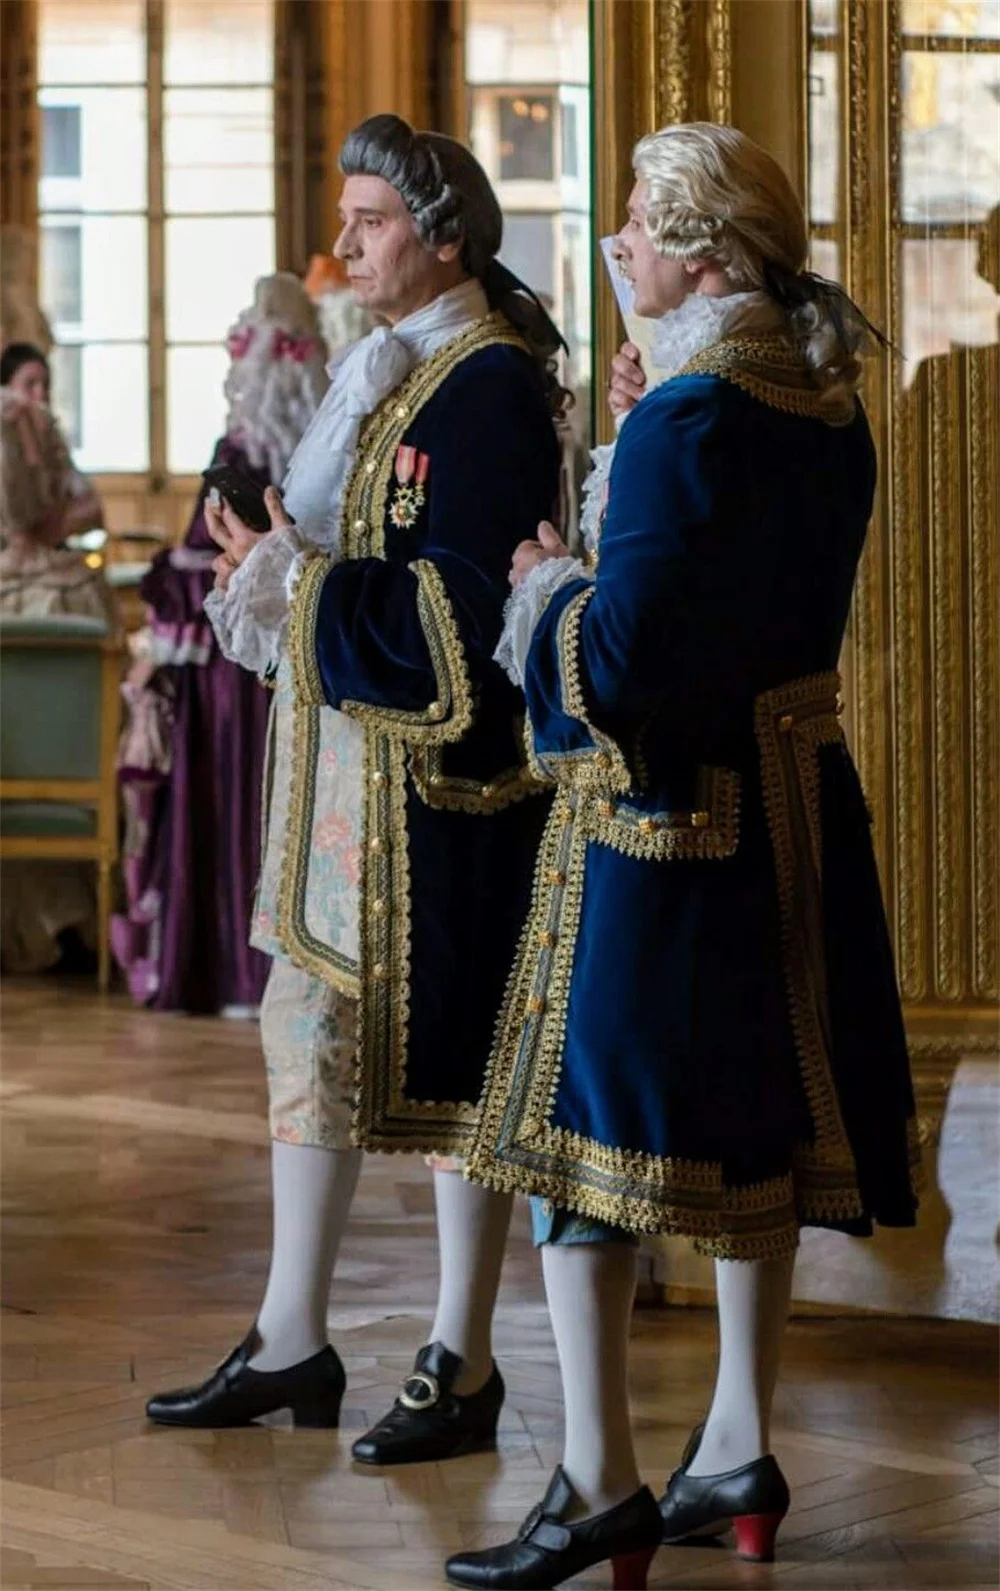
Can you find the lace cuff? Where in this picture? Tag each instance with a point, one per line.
(525, 607)
(250, 618)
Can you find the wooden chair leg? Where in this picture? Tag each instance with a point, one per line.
(103, 926)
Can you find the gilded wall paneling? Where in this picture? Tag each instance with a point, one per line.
(984, 575)
(19, 122)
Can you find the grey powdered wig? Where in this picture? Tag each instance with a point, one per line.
(449, 196)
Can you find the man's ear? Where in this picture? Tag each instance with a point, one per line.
(450, 251)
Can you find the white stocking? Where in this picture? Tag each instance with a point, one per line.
(472, 1227)
(590, 1288)
(313, 1188)
(753, 1309)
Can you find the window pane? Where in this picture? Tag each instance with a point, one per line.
(211, 269)
(66, 365)
(91, 41)
(945, 301)
(219, 149)
(196, 408)
(824, 135)
(511, 41)
(951, 136)
(114, 407)
(111, 287)
(529, 251)
(102, 131)
(228, 41)
(824, 16)
(967, 18)
(824, 258)
(527, 129)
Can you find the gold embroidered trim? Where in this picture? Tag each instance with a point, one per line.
(709, 833)
(299, 943)
(363, 511)
(601, 768)
(770, 367)
(791, 722)
(385, 1118)
(516, 1149)
(450, 715)
(452, 793)
(302, 619)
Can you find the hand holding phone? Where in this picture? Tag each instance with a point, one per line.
(244, 496)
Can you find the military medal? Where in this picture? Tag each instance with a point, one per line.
(409, 496)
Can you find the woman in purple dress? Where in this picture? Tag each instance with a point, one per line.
(192, 756)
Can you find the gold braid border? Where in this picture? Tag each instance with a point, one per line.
(452, 793)
(450, 715)
(302, 618)
(604, 767)
(770, 367)
(709, 833)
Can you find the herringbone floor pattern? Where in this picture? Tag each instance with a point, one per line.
(136, 1235)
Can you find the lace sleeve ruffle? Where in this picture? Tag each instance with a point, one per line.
(525, 607)
(250, 618)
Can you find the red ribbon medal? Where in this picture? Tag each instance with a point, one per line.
(409, 497)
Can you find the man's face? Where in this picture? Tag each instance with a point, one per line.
(660, 283)
(390, 271)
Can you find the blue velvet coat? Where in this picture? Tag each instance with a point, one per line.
(702, 1033)
(453, 470)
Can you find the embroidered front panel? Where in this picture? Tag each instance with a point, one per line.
(386, 1118)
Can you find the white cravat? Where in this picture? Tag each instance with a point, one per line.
(250, 617)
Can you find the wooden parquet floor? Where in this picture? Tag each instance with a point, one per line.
(135, 1245)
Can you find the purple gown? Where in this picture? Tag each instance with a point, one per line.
(193, 835)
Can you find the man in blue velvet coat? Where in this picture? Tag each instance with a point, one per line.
(702, 1034)
(402, 820)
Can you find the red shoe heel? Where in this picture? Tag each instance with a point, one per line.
(755, 1535)
(630, 1569)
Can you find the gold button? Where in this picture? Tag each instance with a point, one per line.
(376, 847)
(401, 411)
(603, 760)
(555, 877)
(437, 779)
(700, 820)
(548, 939)
(647, 826)
(436, 712)
(379, 779)
(487, 792)
(378, 907)
(370, 467)
(530, 1126)
(536, 1005)
(606, 809)
(786, 722)
(380, 971)
(360, 526)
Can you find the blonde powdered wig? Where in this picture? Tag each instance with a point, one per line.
(713, 194)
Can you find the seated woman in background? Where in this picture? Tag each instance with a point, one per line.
(47, 909)
(191, 761)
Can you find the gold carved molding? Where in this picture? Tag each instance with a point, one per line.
(923, 649)
(19, 128)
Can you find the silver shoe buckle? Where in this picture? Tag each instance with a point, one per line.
(419, 1392)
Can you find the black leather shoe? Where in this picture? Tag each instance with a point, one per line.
(753, 1499)
(428, 1421)
(547, 1551)
(235, 1394)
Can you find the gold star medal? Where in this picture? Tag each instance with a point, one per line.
(409, 496)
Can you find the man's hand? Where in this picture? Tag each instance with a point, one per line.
(628, 380)
(236, 539)
(531, 553)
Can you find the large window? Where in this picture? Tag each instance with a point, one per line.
(527, 70)
(157, 214)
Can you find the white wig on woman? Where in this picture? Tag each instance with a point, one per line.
(715, 194)
(277, 378)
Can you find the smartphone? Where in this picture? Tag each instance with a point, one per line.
(243, 495)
